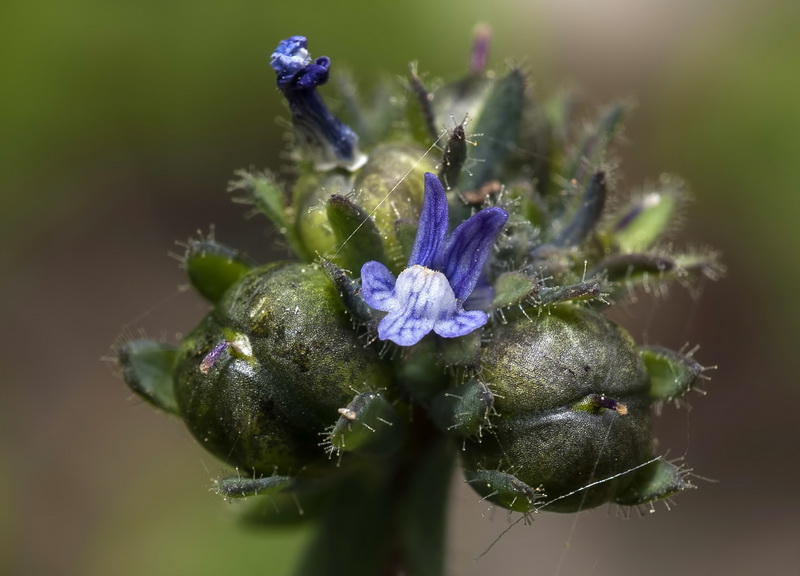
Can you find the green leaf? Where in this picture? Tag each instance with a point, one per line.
(513, 288)
(672, 374)
(369, 424)
(503, 489)
(645, 219)
(654, 271)
(580, 291)
(263, 191)
(655, 481)
(147, 368)
(464, 409)
(498, 124)
(595, 142)
(240, 487)
(349, 291)
(356, 234)
(419, 111)
(587, 214)
(213, 267)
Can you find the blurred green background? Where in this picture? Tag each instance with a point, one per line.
(120, 124)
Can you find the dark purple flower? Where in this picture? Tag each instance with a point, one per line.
(331, 143)
(442, 272)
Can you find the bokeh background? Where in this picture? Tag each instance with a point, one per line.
(120, 124)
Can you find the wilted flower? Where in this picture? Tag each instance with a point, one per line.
(331, 142)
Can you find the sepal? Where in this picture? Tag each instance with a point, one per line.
(147, 368)
(644, 220)
(239, 487)
(656, 481)
(213, 267)
(593, 145)
(369, 424)
(588, 213)
(496, 130)
(356, 235)
(672, 374)
(505, 490)
(464, 409)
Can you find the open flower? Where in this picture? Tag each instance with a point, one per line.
(331, 143)
(442, 272)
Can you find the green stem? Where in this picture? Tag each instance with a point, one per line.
(389, 522)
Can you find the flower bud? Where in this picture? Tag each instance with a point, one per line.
(264, 375)
(572, 403)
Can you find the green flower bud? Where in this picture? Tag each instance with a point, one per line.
(310, 196)
(263, 376)
(388, 189)
(572, 401)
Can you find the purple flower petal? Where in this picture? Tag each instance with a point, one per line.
(432, 224)
(289, 58)
(377, 286)
(468, 248)
(423, 297)
(461, 323)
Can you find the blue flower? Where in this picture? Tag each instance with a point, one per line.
(442, 272)
(331, 143)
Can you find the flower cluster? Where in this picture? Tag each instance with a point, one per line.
(547, 403)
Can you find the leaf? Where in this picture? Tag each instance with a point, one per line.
(147, 368)
(356, 234)
(213, 267)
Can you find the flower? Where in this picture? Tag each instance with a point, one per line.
(331, 143)
(442, 272)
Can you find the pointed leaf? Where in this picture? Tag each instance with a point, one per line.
(349, 291)
(356, 235)
(147, 368)
(464, 409)
(648, 216)
(239, 487)
(498, 121)
(213, 267)
(672, 374)
(587, 215)
(655, 481)
(569, 293)
(503, 489)
(369, 424)
(595, 143)
(513, 288)
(264, 192)
(419, 110)
(454, 156)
